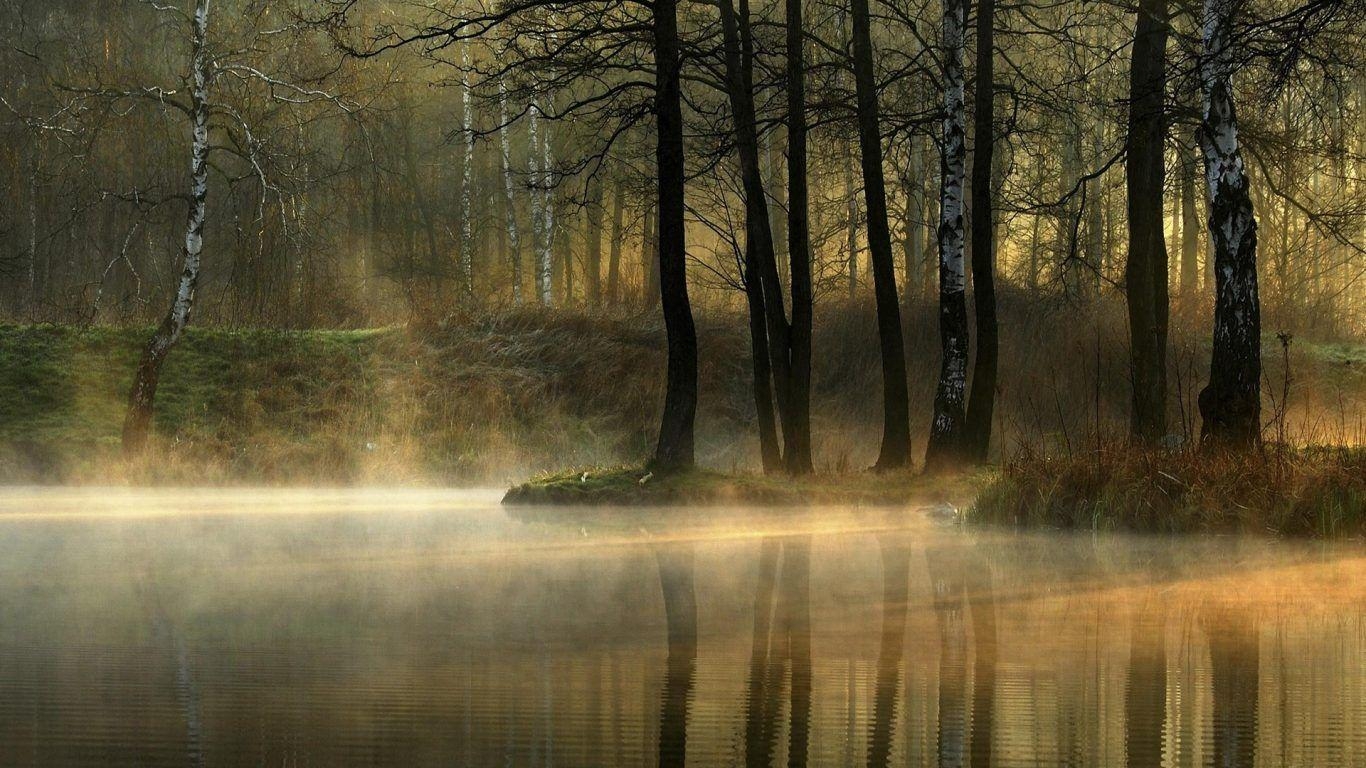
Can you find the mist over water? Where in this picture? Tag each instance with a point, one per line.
(414, 628)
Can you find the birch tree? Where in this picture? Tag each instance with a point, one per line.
(947, 425)
(168, 334)
(466, 178)
(510, 198)
(1230, 405)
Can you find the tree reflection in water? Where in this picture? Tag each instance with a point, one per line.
(680, 611)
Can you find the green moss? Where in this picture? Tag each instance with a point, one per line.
(635, 486)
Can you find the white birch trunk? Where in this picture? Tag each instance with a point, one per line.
(547, 213)
(538, 234)
(510, 208)
(467, 180)
(147, 377)
(948, 401)
(1230, 406)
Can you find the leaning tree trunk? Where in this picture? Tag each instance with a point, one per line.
(895, 451)
(759, 249)
(674, 449)
(770, 452)
(509, 200)
(982, 396)
(138, 421)
(797, 432)
(1145, 274)
(1230, 405)
(946, 429)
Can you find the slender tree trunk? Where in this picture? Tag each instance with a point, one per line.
(540, 236)
(850, 224)
(982, 397)
(548, 183)
(593, 259)
(674, 450)
(510, 200)
(466, 182)
(912, 183)
(138, 420)
(649, 259)
(895, 451)
(31, 298)
(758, 236)
(614, 248)
(769, 451)
(946, 430)
(1095, 217)
(1230, 406)
(797, 430)
(1190, 227)
(1145, 274)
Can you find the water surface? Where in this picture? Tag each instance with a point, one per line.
(415, 628)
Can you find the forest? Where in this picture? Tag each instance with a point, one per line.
(906, 234)
(674, 383)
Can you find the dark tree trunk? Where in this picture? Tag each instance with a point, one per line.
(759, 249)
(769, 451)
(674, 450)
(592, 263)
(1190, 228)
(895, 452)
(797, 429)
(1145, 274)
(614, 248)
(982, 398)
(1230, 405)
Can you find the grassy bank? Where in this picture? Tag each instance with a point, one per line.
(633, 486)
(503, 396)
(1316, 492)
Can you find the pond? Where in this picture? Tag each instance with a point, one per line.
(421, 627)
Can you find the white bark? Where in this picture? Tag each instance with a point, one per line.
(1225, 173)
(510, 208)
(199, 182)
(467, 180)
(547, 213)
(538, 234)
(952, 279)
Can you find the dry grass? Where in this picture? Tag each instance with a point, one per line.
(1293, 492)
(504, 396)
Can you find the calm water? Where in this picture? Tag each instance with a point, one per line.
(226, 628)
